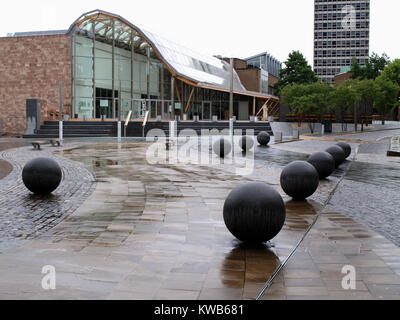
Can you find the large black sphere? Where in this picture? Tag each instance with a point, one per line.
(222, 147)
(338, 154)
(323, 162)
(263, 138)
(246, 143)
(42, 176)
(346, 148)
(254, 212)
(299, 180)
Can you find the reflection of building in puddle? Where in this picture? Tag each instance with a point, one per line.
(249, 266)
(100, 163)
(300, 214)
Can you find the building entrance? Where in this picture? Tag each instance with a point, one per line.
(104, 105)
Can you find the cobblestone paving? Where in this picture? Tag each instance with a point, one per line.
(372, 204)
(23, 215)
(369, 195)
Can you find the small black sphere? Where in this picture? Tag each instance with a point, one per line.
(299, 180)
(254, 212)
(338, 154)
(263, 138)
(42, 176)
(222, 147)
(323, 162)
(346, 148)
(246, 143)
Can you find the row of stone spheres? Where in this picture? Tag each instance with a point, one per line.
(253, 212)
(256, 213)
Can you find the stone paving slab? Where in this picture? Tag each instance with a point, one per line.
(315, 271)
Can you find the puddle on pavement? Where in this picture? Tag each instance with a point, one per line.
(279, 157)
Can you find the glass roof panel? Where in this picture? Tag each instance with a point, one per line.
(185, 62)
(196, 66)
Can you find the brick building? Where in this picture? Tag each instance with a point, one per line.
(31, 66)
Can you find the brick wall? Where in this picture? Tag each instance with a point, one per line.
(31, 67)
(250, 78)
(341, 78)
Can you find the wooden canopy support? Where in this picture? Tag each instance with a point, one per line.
(264, 110)
(189, 101)
(178, 93)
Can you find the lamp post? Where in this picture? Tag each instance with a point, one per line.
(231, 90)
(61, 134)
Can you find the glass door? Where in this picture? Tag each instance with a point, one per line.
(139, 107)
(206, 111)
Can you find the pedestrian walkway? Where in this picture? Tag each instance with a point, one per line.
(157, 232)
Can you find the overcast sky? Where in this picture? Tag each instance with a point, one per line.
(239, 28)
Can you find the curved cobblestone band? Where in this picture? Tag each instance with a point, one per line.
(24, 216)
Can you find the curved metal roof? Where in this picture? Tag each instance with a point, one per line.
(185, 64)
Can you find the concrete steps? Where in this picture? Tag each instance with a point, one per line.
(75, 129)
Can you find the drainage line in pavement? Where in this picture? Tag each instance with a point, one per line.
(271, 280)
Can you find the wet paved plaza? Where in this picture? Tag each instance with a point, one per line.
(156, 232)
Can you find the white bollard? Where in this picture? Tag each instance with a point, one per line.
(173, 130)
(119, 131)
(61, 133)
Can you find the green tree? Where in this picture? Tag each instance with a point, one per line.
(296, 71)
(312, 99)
(367, 90)
(372, 69)
(392, 73)
(386, 99)
(344, 98)
(356, 70)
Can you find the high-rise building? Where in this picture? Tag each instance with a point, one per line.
(341, 33)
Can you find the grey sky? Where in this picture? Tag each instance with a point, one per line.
(227, 27)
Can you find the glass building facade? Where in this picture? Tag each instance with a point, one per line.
(117, 68)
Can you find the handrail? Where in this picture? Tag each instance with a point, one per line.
(128, 118)
(146, 118)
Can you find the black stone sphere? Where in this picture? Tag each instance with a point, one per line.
(42, 176)
(246, 143)
(222, 147)
(338, 154)
(263, 138)
(300, 180)
(323, 162)
(346, 148)
(254, 212)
